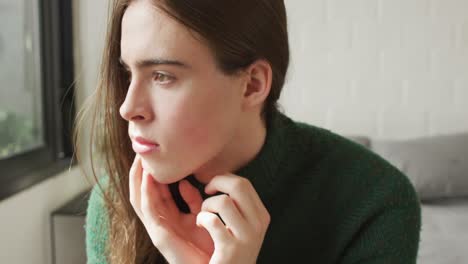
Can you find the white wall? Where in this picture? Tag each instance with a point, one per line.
(25, 217)
(384, 68)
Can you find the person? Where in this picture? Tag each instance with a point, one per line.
(200, 164)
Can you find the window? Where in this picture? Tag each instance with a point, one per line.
(36, 94)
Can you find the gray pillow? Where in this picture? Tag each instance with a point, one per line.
(437, 166)
(362, 140)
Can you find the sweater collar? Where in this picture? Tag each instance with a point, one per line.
(264, 169)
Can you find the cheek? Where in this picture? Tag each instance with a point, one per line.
(198, 126)
(202, 122)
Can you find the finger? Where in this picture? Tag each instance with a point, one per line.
(218, 232)
(225, 207)
(166, 197)
(242, 192)
(135, 183)
(191, 196)
(165, 193)
(150, 199)
(170, 245)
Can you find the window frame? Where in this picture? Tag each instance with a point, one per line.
(27, 169)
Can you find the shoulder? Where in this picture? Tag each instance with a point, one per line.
(354, 171)
(367, 206)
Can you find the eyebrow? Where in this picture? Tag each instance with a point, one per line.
(154, 62)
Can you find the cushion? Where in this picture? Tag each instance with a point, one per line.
(362, 140)
(437, 166)
(444, 233)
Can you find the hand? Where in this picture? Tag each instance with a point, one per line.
(179, 237)
(245, 217)
(174, 233)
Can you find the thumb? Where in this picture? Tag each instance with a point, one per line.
(191, 196)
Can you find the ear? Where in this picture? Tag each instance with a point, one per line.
(258, 84)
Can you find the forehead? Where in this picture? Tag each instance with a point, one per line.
(149, 32)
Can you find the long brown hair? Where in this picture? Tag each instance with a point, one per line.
(238, 32)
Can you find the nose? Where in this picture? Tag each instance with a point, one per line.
(135, 105)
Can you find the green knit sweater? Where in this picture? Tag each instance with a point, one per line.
(330, 201)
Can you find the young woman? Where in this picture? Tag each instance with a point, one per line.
(199, 164)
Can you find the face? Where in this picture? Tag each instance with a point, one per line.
(177, 96)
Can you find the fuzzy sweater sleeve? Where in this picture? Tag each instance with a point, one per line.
(96, 227)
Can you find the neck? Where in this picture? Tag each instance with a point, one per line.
(243, 148)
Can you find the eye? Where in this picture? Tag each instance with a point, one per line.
(161, 77)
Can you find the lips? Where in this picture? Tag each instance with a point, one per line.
(141, 145)
(144, 141)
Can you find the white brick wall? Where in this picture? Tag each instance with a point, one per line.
(384, 68)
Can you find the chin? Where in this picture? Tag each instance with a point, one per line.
(165, 178)
(164, 175)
